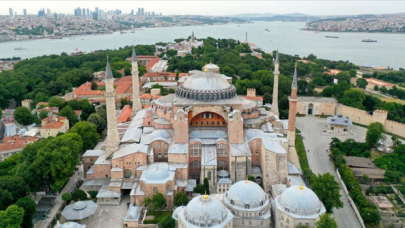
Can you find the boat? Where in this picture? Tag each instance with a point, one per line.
(121, 32)
(19, 48)
(369, 41)
(133, 32)
(77, 52)
(331, 36)
(267, 30)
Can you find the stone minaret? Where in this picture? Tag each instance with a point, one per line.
(113, 139)
(293, 110)
(136, 100)
(192, 37)
(292, 153)
(274, 105)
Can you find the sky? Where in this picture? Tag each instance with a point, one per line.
(214, 7)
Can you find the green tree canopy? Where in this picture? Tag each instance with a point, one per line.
(79, 195)
(327, 189)
(6, 199)
(88, 133)
(159, 201)
(97, 120)
(55, 101)
(167, 222)
(68, 112)
(375, 132)
(29, 207)
(15, 185)
(361, 83)
(354, 98)
(180, 199)
(326, 221)
(23, 116)
(12, 217)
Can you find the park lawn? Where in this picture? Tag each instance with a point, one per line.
(158, 216)
(399, 101)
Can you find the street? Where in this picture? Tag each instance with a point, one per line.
(317, 145)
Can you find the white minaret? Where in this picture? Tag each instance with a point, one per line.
(113, 140)
(136, 100)
(274, 105)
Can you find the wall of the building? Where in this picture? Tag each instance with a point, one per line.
(319, 108)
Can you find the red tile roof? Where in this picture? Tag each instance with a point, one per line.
(151, 63)
(125, 114)
(146, 96)
(15, 142)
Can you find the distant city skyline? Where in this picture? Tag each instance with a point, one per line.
(213, 7)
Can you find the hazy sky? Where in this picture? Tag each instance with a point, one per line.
(214, 7)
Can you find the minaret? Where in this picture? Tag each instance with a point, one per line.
(136, 100)
(293, 110)
(192, 37)
(274, 105)
(113, 139)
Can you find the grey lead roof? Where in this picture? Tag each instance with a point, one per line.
(133, 54)
(295, 79)
(108, 72)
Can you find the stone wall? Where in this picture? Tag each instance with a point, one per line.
(362, 117)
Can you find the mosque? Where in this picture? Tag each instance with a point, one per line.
(205, 130)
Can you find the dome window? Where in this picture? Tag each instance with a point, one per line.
(247, 206)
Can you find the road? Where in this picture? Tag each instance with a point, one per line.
(317, 143)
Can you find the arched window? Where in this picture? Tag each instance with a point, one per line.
(155, 190)
(257, 144)
(127, 173)
(232, 202)
(209, 175)
(257, 153)
(261, 203)
(195, 164)
(195, 150)
(222, 150)
(247, 206)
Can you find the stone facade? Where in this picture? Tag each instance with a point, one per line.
(316, 106)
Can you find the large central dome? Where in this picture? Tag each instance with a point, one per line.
(206, 86)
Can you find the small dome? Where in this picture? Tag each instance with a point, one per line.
(177, 211)
(300, 200)
(79, 206)
(246, 195)
(223, 173)
(203, 210)
(156, 174)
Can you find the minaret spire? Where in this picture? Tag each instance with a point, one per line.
(112, 141)
(274, 105)
(136, 100)
(293, 99)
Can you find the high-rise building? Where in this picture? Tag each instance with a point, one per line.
(41, 13)
(78, 12)
(139, 11)
(84, 12)
(132, 12)
(48, 12)
(88, 12)
(11, 11)
(143, 12)
(96, 10)
(25, 12)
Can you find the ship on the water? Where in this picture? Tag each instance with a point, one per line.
(331, 36)
(267, 30)
(369, 41)
(19, 48)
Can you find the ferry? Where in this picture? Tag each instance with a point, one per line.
(369, 41)
(331, 36)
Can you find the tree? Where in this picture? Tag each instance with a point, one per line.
(41, 97)
(66, 197)
(29, 207)
(395, 141)
(376, 88)
(159, 201)
(361, 83)
(167, 222)
(383, 90)
(12, 217)
(93, 85)
(88, 132)
(374, 134)
(206, 186)
(23, 116)
(199, 189)
(327, 189)
(124, 101)
(352, 73)
(68, 112)
(354, 98)
(326, 221)
(148, 202)
(79, 195)
(6, 199)
(55, 101)
(43, 115)
(97, 120)
(180, 199)
(1, 113)
(15, 185)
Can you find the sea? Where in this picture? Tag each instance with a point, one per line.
(388, 51)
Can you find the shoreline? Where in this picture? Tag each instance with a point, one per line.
(388, 33)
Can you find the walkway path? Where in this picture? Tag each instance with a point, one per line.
(58, 201)
(318, 158)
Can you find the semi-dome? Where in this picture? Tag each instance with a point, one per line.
(246, 195)
(206, 210)
(156, 174)
(300, 200)
(206, 86)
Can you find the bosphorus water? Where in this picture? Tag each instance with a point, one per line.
(287, 36)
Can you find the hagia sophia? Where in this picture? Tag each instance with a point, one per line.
(204, 130)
